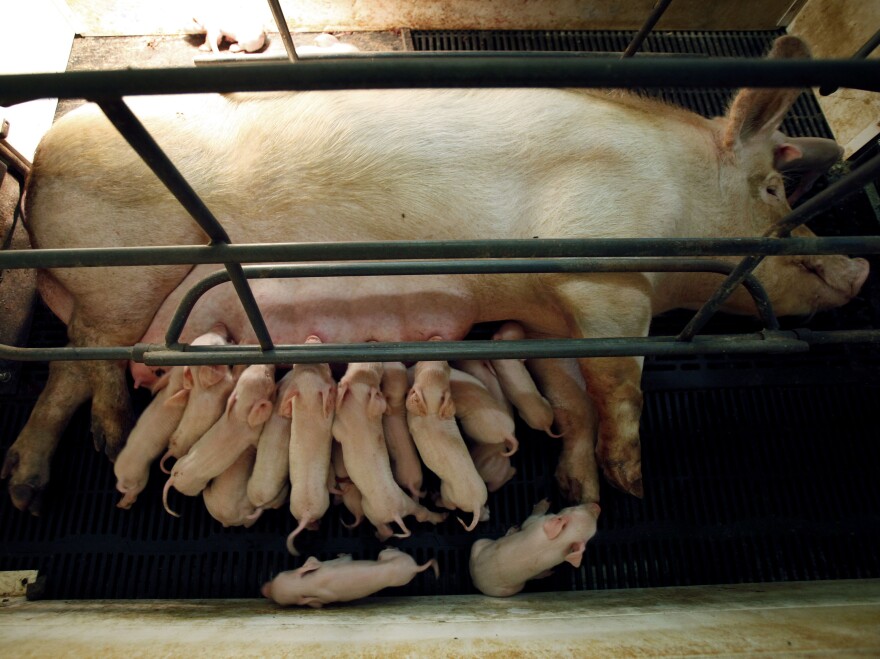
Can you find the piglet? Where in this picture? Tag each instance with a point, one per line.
(271, 471)
(209, 387)
(244, 31)
(226, 495)
(150, 436)
(483, 371)
(248, 408)
(405, 463)
(349, 493)
(430, 415)
(518, 386)
(483, 419)
(501, 567)
(493, 466)
(317, 583)
(357, 426)
(310, 401)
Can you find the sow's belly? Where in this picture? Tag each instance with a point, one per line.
(335, 309)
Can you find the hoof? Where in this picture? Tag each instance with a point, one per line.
(626, 477)
(27, 498)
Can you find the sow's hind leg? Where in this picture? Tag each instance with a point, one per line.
(28, 460)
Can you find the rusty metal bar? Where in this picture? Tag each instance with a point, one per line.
(134, 132)
(283, 30)
(642, 34)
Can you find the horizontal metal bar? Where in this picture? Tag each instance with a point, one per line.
(447, 350)
(394, 70)
(573, 265)
(427, 249)
(159, 355)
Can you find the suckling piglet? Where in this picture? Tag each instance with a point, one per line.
(501, 567)
(317, 583)
(483, 419)
(493, 466)
(357, 426)
(310, 401)
(350, 495)
(271, 471)
(430, 415)
(248, 408)
(518, 386)
(405, 463)
(149, 438)
(226, 495)
(209, 388)
(483, 371)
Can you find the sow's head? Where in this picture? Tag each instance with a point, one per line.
(754, 156)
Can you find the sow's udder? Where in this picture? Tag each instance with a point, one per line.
(335, 309)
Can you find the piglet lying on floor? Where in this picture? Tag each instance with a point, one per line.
(342, 580)
(500, 568)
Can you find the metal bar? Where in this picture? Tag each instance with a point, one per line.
(392, 70)
(158, 355)
(181, 315)
(281, 24)
(861, 53)
(643, 33)
(134, 132)
(855, 180)
(421, 249)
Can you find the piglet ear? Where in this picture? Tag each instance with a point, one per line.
(285, 410)
(187, 377)
(329, 397)
(313, 602)
(230, 403)
(178, 400)
(341, 392)
(576, 553)
(555, 525)
(376, 406)
(209, 375)
(260, 413)
(310, 565)
(447, 405)
(415, 402)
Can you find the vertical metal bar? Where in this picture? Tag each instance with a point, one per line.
(861, 53)
(281, 24)
(121, 116)
(857, 179)
(642, 34)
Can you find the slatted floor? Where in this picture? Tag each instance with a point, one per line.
(756, 469)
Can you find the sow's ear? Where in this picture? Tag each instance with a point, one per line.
(758, 112)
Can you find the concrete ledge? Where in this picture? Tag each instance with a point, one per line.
(746, 619)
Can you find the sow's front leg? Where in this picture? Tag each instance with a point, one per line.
(561, 381)
(613, 306)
